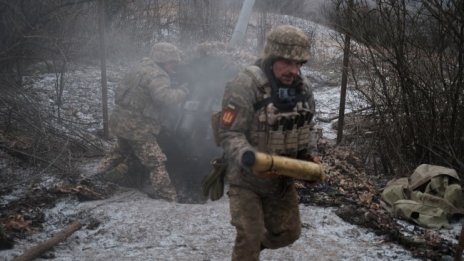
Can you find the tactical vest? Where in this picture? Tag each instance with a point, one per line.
(273, 131)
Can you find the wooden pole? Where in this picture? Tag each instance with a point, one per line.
(41, 248)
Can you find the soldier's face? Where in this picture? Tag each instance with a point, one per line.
(286, 70)
(170, 67)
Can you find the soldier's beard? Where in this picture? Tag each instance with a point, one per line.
(280, 83)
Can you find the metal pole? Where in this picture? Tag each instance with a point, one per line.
(242, 23)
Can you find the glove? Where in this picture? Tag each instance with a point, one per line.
(184, 87)
(213, 184)
(315, 159)
(266, 174)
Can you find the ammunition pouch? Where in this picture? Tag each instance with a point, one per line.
(213, 184)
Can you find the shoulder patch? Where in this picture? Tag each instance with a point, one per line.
(228, 116)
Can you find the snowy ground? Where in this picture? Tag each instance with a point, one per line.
(327, 103)
(135, 227)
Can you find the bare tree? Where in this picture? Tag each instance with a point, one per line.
(199, 20)
(410, 58)
(38, 32)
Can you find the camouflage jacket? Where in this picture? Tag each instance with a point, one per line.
(142, 97)
(240, 122)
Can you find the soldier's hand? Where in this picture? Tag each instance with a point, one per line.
(266, 174)
(184, 87)
(316, 159)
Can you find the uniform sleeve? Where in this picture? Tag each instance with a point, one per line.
(162, 92)
(312, 145)
(237, 115)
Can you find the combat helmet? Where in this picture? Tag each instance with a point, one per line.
(289, 42)
(165, 52)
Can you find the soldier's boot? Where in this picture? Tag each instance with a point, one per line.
(157, 193)
(117, 174)
(168, 193)
(110, 160)
(161, 185)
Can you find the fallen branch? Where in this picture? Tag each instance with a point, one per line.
(41, 248)
(327, 120)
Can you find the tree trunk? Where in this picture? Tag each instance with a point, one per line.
(460, 246)
(341, 112)
(104, 87)
(346, 56)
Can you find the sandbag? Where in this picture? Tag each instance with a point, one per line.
(395, 190)
(430, 197)
(421, 214)
(425, 172)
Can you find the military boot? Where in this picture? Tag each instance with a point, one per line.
(117, 174)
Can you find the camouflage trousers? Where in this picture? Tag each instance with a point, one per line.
(143, 156)
(263, 221)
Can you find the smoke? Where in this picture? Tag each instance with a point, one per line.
(187, 138)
